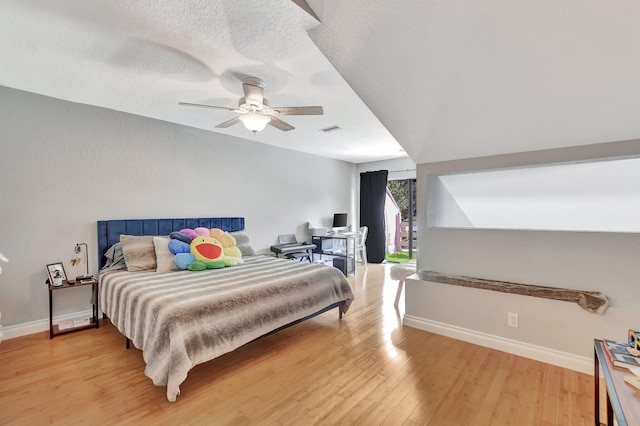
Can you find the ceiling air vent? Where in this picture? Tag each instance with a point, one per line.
(331, 128)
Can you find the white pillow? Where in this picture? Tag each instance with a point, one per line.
(164, 258)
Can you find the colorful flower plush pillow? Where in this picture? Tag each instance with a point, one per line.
(199, 249)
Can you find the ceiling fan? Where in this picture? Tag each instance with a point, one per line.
(255, 112)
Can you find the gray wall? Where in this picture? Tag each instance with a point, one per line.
(606, 262)
(63, 166)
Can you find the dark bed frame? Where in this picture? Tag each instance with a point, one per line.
(109, 232)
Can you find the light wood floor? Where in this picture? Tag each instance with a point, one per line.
(365, 369)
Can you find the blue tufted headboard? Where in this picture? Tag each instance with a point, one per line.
(109, 231)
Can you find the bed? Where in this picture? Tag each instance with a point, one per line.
(180, 319)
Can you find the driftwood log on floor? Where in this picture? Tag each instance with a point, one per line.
(592, 301)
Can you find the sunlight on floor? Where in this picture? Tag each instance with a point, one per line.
(391, 315)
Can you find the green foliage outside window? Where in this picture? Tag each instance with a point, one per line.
(400, 191)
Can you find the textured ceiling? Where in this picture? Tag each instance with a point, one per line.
(445, 79)
(143, 57)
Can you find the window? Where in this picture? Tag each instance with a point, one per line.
(400, 214)
(601, 195)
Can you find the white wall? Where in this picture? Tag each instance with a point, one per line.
(606, 262)
(63, 166)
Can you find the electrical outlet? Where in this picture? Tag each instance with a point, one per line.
(512, 320)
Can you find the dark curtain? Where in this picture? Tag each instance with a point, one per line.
(373, 191)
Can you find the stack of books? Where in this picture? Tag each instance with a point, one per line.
(65, 325)
(625, 355)
(81, 322)
(621, 354)
(78, 322)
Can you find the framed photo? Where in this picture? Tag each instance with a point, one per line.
(56, 273)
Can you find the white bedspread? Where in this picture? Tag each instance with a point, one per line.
(182, 319)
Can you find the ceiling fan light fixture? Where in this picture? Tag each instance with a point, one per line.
(254, 109)
(254, 122)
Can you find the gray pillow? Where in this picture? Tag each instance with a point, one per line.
(243, 243)
(115, 259)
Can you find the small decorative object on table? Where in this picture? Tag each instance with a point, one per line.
(56, 273)
(86, 277)
(634, 339)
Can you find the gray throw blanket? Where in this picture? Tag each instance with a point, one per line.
(182, 319)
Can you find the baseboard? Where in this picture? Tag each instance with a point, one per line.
(12, 331)
(539, 353)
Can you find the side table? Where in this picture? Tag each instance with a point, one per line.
(621, 398)
(54, 329)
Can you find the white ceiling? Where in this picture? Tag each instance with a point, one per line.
(457, 79)
(448, 79)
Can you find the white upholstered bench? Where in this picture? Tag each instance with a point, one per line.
(400, 272)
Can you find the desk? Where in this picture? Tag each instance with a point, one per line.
(339, 249)
(623, 400)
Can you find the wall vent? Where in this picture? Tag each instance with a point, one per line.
(331, 128)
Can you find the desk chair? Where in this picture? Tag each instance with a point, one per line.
(304, 254)
(361, 248)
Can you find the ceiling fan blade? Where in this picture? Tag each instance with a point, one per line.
(253, 91)
(279, 124)
(302, 110)
(228, 123)
(207, 106)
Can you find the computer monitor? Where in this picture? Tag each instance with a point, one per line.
(339, 220)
